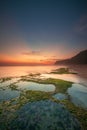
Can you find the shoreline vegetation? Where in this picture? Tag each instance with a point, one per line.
(9, 107)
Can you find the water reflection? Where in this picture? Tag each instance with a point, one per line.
(78, 94)
(7, 83)
(35, 86)
(8, 94)
(60, 96)
(67, 77)
(24, 70)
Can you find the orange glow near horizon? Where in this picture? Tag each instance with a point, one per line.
(30, 59)
(21, 59)
(20, 53)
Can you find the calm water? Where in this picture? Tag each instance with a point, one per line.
(24, 70)
(8, 94)
(7, 83)
(17, 71)
(60, 96)
(78, 95)
(35, 86)
(43, 114)
(6, 71)
(78, 91)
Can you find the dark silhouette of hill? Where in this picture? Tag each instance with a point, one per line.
(80, 58)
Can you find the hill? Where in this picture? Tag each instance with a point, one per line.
(80, 58)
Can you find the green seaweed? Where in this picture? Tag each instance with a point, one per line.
(62, 71)
(80, 113)
(13, 87)
(5, 79)
(34, 75)
(8, 108)
(30, 96)
(61, 85)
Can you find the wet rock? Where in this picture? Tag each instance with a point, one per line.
(44, 115)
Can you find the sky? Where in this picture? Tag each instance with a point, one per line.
(41, 31)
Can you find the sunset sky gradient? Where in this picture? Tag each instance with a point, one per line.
(34, 32)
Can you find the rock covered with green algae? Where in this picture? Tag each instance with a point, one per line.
(63, 71)
(44, 115)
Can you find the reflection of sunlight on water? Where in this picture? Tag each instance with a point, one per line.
(6, 83)
(35, 86)
(24, 70)
(67, 77)
(81, 69)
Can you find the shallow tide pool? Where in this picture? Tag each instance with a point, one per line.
(7, 83)
(78, 95)
(35, 86)
(67, 77)
(8, 94)
(60, 96)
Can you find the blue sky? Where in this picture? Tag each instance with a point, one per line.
(51, 28)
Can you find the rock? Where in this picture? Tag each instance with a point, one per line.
(44, 115)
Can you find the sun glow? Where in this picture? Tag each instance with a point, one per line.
(22, 59)
(18, 52)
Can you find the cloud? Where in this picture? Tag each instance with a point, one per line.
(49, 59)
(31, 53)
(52, 59)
